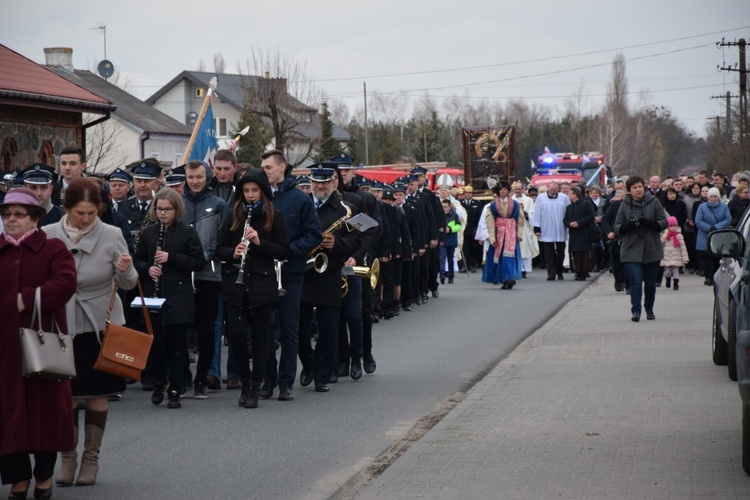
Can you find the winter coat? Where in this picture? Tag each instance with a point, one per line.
(260, 285)
(674, 256)
(582, 211)
(325, 288)
(302, 227)
(676, 208)
(453, 225)
(205, 213)
(182, 244)
(35, 414)
(640, 224)
(96, 256)
(737, 208)
(710, 217)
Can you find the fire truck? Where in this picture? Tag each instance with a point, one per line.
(438, 173)
(586, 168)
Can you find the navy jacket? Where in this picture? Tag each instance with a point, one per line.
(302, 227)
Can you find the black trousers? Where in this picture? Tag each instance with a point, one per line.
(554, 256)
(16, 467)
(408, 282)
(169, 353)
(384, 292)
(206, 309)
(472, 249)
(424, 273)
(434, 269)
(259, 321)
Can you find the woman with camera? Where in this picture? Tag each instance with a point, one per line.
(640, 221)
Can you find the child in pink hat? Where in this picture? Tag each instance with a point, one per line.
(675, 252)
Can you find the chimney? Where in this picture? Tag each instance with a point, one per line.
(266, 75)
(61, 57)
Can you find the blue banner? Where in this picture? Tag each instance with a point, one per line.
(205, 145)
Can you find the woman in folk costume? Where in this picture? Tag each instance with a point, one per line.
(505, 224)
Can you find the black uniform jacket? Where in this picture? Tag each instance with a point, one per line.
(325, 288)
(260, 286)
(185, 257)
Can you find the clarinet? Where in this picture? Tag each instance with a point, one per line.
(241, 276)
(159, 245)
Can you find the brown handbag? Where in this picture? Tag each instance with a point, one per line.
(124, 352)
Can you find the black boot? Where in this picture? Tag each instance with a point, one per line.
(252, 397)
(266, 390)
(668, 283)
(676, 284)
(244, 392)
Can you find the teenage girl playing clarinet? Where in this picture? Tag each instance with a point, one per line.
(166, 255)
(257, 233)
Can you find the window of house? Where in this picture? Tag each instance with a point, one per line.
(200, 92)
(221, 126)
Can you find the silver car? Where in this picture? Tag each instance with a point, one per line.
(726, 297)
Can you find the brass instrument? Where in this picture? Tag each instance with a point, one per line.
(369, 273)
(277, 266)
(248, 220)
(319, 262)
(159, 245)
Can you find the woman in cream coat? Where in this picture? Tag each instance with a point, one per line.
(101, 255)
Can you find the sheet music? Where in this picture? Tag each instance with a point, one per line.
(151, 303)
(362, 222)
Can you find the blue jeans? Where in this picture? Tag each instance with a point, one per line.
(642, 281)
(286, 370)
(232, 369)
(446, 257)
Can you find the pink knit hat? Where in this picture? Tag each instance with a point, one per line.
(672, 221)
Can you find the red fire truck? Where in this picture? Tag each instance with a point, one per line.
(587, 168)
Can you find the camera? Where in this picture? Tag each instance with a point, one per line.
(635, 221)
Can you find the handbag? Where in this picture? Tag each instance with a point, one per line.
(46, 355)
(124, 351)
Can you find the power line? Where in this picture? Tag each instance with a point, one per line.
(542, 59)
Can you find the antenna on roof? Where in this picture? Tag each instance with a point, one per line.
(105, 68)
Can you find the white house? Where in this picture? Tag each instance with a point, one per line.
(136, 130)
(183, 97)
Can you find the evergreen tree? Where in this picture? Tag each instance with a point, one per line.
(255, 142)
(328, 145)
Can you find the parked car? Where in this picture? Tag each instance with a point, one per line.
(732, 245)
(727, 284)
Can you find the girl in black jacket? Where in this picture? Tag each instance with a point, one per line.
(256, 231)
(167, 254)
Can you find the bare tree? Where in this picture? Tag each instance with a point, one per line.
(575, 107)
(340, 113)
(613, 127)
(281, 93)
(102, 141)
(219, 63)
(201, 65)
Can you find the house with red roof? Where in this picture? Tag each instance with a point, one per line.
(41, 112)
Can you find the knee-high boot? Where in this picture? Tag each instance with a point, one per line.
(68, 463)
(93, 433)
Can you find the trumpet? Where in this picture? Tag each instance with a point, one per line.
(159, 245)
(277, 266)
(369, 273)
(241, 276)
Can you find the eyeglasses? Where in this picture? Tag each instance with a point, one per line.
(17, 215)
(164, 210)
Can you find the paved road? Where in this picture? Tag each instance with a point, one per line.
(591, 406)
(310, 447)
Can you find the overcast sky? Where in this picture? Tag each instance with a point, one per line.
(540, 51)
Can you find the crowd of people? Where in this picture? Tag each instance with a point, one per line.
(288, 270)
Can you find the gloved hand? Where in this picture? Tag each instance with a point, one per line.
(650, 224)
(712, 228)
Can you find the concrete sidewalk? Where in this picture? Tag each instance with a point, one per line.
(594, 406)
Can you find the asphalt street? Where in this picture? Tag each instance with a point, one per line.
(311, 447)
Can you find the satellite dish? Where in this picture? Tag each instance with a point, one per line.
(106, 68)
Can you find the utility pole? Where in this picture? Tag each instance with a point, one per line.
(728, 116)
(741, 68)
(367, 140)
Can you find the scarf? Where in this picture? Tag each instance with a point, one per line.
(505, 228)
(75, 235)
(15, 242)
(672, 235)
